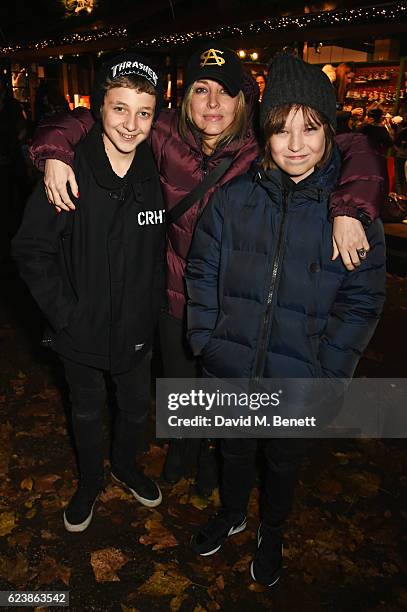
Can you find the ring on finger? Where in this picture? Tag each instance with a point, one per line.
(362, 253)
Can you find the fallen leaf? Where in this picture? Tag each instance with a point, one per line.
(214, 594)
(22, 539)
(240, 539)
(176, 602)
(198, 502)
(7, 522)
(166, 580)
(50, 571)
(181, 487)
(390, 568)
(48, 535)
(27, 484)
(158, 535)
(115, 492)
(50, 393)
(105, 562)
(220, 582)
(365, 484)
(330, 488)
(243, 563)
(51, 504)
(37, 410)
(153, 461)
(14, 570)
(257, 588)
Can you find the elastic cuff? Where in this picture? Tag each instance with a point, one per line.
(351, 211)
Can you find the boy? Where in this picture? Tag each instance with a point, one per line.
(98, 277)
(267, 301)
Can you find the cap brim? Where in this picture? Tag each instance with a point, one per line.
(232, 87)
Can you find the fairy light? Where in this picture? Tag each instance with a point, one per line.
(241, 53)
(396, 12)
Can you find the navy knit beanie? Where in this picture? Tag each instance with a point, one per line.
(292, 81)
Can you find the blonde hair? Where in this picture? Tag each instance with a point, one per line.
(276, 120)
(236, 129)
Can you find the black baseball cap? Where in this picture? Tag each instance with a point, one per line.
(218, 63)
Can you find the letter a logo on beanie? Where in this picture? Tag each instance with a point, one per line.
(211, 58)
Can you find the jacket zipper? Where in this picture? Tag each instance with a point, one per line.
(275, 269)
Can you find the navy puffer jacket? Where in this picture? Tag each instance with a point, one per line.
(265, 299)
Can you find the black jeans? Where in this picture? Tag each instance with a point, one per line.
(88, 395)
(179, 362)
(283, 458)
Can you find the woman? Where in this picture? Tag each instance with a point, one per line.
(188, 146)
(266, 301)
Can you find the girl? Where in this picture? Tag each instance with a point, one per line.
(265, 298)
(212, 126)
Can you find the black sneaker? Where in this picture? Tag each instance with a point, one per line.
(211, 536)
(267, 563)
(145, 490)
(78, 514)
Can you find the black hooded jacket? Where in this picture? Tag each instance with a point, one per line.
(98, 274)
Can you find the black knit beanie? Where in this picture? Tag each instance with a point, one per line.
(120, 65)
(292, 81)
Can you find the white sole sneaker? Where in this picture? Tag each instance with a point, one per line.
(72, 528)
(232, 531)
(259, 539)
(150, 503)
(254, 578)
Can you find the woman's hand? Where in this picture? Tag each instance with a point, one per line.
(57, 175)
(348, 238)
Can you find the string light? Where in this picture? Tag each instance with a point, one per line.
(241, 53)
(396, 12)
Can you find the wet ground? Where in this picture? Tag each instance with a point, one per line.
(344, 543)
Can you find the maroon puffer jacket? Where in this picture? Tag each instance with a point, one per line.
(361, 188)
(182, 166)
